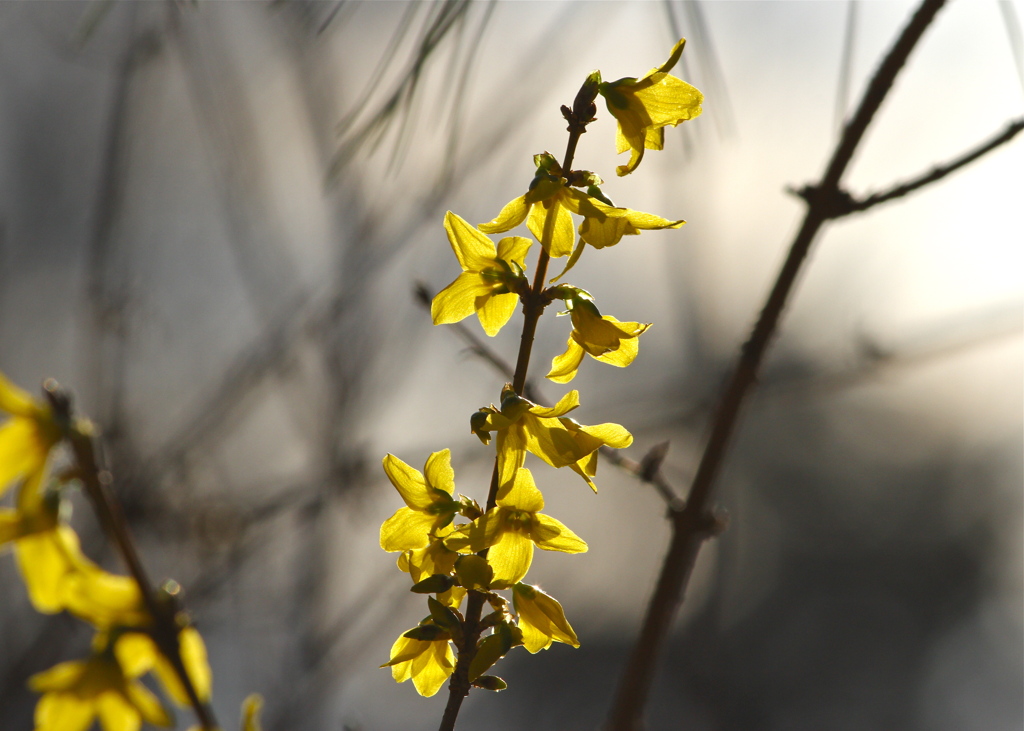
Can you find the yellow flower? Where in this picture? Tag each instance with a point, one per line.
(602, 337)
(427, 662)
(646, 106)
(428, 499)
(47, 551)
(137, 653)
(26, 438)
(524, 426)
(603, 225)
(76, 692)
(488, 280)
(541, 619)
(510, 531)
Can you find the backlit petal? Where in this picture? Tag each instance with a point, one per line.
(495, 310)
(406, 529)
(513, 214)
(564, 366)
(438, 471)
(460, 299)
(510, 558)
(409, 482)
(472, 248)
(552, 535)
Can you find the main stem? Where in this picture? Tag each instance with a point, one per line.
(695, 522)
(533, 308)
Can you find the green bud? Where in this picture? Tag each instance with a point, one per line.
(473, 572)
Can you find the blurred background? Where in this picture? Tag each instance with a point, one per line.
(212, 220)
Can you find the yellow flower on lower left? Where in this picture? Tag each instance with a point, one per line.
(427, 662)
(76, 693)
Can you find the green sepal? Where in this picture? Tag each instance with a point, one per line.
(436, 584)
(427, 633)
(490, 682)
(445, 618)
(469, 507)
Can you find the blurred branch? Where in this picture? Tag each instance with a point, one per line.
(696, 522)
(96, 482)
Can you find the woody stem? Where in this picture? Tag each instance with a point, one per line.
(533, 306)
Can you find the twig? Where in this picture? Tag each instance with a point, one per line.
(692, 525)
(165, 626)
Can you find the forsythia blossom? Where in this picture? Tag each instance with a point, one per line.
(428, 500)
(541, 618)
(523, 426)
(603, 224)
(645, 106)
(76, 692)
(487, 280)
(511, 530)
(601, 336)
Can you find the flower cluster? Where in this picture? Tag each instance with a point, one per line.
(60, 578)
(454, 550)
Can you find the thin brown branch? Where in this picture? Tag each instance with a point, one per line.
(96, 483)
(692, 525)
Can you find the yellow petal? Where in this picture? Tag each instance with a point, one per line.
(461, 298)
(524, 494)
(251, 708)
(409, 482)
(103, 599)
(431, 669)
(541, 619)
(562, 235)
(44, 564)
(473, 249)
(495, 310)
(567, 403)
(510, 558)
(514, 249)
(552, 535)
(20, 451)
(625, 354)
(193, 656)
(552, 442)
(513, 214)
(63, 712)
(511, 445)
(438, 471)
(136, 653)
(60, 677)
(16, 401)
(406, 529)
(564, 366)
(482, 533)
(670, 101)
(142, 702)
